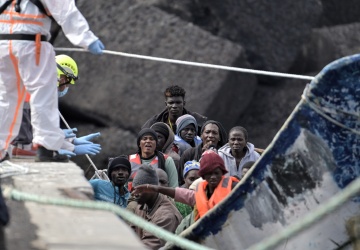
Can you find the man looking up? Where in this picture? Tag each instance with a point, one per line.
(114, 191)
(174, 102)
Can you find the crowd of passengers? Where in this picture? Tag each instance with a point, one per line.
(185, 165)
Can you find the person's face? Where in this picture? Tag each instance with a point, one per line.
(243, 172)
(161, 141)
(211, 134)
(163, 179)
(142, 198)
(147, 144)
(119, 176)
(175, 105)
(188, 133)
(63, 82)
(237, 141)
(190, 177)
(213, 178)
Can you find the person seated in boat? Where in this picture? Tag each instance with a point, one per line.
(190, 174)
(163, 178)
(153, 207)
(237, 151)
(209, 192)
(174, 102)
(165, 138)
(114, 191)
(67, 72)
(148, 154)
(186, 133)
(213, 135)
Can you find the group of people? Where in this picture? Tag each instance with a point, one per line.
(185, 165)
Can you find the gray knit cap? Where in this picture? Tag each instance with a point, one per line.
(183, 121)
(146, 174)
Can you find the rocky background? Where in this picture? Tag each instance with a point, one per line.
(115, 95)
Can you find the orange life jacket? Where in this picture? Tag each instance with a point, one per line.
(203, 204)
(135, 162)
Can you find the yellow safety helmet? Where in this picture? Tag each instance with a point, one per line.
(67, 66)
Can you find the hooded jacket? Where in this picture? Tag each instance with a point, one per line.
(230, 161)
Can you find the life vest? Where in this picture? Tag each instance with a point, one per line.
(203, 204)
(135, 162)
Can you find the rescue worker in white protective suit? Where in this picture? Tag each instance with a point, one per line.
(27, 64)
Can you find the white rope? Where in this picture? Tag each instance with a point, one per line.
(336, 201)
(87, 156)
(204, 65)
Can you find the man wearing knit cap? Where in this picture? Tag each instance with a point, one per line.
(153, 207)
(174, 102)
(186, 133)
(148, 154)
(114, 191)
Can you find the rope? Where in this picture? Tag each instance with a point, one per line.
(336, 201)
(87, 156)
(196, 64)
(10, 193)
(320, 111)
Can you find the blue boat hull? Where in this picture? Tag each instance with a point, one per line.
(313, 157)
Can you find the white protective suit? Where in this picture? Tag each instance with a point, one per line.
(19, 70)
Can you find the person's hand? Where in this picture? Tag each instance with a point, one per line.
(145, 188)
(90, 149)
(70, 133)
(86, 139)
(96, 47)
(209, 145)
(66, 152)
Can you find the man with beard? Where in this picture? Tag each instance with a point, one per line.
(154, 208)
(174, 102)
(115, 190)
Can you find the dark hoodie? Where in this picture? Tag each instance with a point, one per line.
(195, 153)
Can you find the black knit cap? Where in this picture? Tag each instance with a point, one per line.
(120, 161)
(146, 131)
(222, 132)
(161, 128)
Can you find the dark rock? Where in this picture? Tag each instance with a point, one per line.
(270, 31)
(339, 12)
(326, 45)
(125, 92)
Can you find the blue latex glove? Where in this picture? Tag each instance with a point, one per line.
(66, 152)
(85, 139)
(70, 133)
(96, 47)
(90, 149)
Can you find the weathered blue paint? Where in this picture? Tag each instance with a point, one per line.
(309, 160)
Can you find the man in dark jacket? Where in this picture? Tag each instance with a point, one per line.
(175, 102)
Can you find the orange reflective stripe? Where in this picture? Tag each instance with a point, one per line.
(21, 93)
(203, 204)
(40, 16)
(27, 97)
(37, 48)
(21, 21)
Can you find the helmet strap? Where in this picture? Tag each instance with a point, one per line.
(68, 75)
